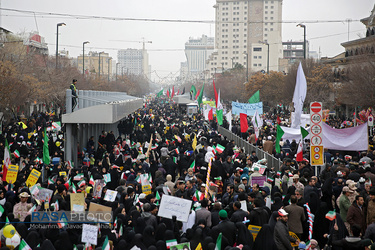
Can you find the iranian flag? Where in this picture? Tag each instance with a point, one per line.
(16, 153)
(50, 181)
(6, 160)
(331, 215)
(177, 151)
(198, 196)
(211, 114)
(92, 182)
(1, 210)
(218, 242)
(299, 156)
(219, 110)
(279, 135)
(138, 179)
(193, 165)
(56, 205)
(81, 183)
(220, 149)
(24, 246)
(155, 146)
(74, 190)
(270, 179)
(157, 195)
(175, 159)
(78, 177)
(33, 209)
(62, 223)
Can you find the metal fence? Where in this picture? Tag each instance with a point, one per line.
(271, 160)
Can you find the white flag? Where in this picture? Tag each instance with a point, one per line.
(299, 96)
(257, 123)
(219, 105)
(228, 116)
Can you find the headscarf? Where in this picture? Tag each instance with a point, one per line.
(264, 239)
(244, 236)
(148, 236)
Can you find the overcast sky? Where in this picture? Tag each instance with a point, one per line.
(168, 38)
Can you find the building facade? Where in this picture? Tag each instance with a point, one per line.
(242, 31)
(133, 61)
(197, 51)
(96, 63)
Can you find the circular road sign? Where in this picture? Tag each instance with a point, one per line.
(316, 107)
(316, 118)
(316, 140)
(316, 156)
(316, 149)
(316, 129)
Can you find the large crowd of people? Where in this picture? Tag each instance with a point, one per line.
(178, 152)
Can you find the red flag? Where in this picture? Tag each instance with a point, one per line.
(278, 120)
(168, 93)
(213, 82)
(172, 92)
(243, 120)
(178, 92)
(198, 92)
(211, 115)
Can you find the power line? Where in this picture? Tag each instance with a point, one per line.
(54, 14)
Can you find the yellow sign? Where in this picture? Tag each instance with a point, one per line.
(12, 173)
(254, 230)
(63, 173)
(33, 178)
(295, 237)
(146, 189)
(316, 155)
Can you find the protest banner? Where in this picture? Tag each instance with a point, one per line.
(100, 213)
(110, 195)
(44, 194)
(170, 205)
(182, 246)
(62, 173)
(247, 108)
(12, 173)
(107, 178)
(77, 202)
(98, 188)
(33, 178)
(89, 234)
(260, 180)
(146, 187)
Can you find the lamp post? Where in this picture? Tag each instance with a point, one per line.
(232, 61)
(57, 42)
(116, 70)
(108, 67)
(83, 58)
(247, 66)
(99, 62)
(304, 39)
(268, 55)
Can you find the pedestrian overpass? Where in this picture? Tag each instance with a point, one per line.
(96, 111)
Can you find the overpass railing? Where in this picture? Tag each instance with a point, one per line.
(271, 160)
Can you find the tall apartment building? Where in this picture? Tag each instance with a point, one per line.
(243, 28)
(133, 61)
(197, 51)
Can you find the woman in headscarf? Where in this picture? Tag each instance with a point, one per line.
(321, 224)
(264, 239)
(197, 238)
(33, 239)
(327, 193)
(160, 231)
(63, 243)
(137, 242)
(244, 236)
(149, 236)
(277, 204)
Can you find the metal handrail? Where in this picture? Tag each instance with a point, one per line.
(271, 160)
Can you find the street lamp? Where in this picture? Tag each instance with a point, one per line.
(108, 67)
(304, 39)
(83, 58)
(116, 70)
(57, 42)
(247, 66)
(268, 55)
(99, 62)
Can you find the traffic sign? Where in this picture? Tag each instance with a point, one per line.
(316, 140)
(316, 118)
(316, 129)
(370, 121)
(316, 107)
(317, 155)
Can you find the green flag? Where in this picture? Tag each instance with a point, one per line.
(218, 242)
(254, 98)
(194, 90)
(219, 116)
(279, 134)
(46, 159)
(160, 93)
(200, 96)
(304, 132)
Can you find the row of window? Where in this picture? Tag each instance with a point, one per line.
(265, 29)
(266, 12)
(234, 30)
(266, 18)
(266, 7)
(257, 57)
(259, 65)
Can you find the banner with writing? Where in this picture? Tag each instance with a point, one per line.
(33, 178)
(247, 108)
(170, 205)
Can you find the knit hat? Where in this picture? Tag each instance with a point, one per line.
(242, 186)
(223, 214)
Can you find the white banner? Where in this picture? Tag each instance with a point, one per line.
(170, 205)
(350, 139)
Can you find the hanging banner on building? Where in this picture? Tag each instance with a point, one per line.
(247, 108)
